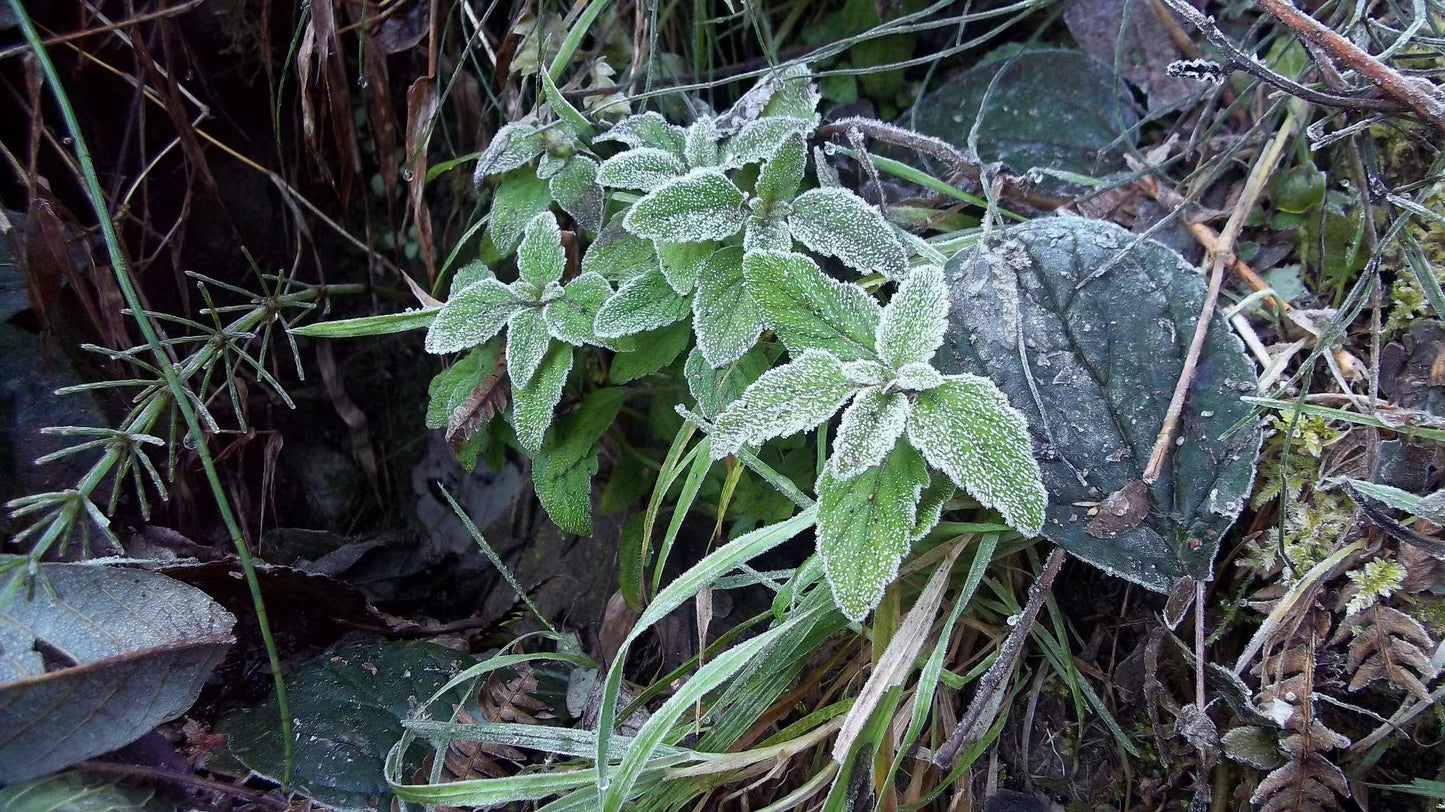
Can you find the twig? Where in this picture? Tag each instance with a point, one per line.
(1220, 255)
(184, 779)
(1418, 94)
(16, 50)
(1008, 656)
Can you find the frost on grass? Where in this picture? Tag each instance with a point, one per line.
(870, 427)
(795, 397)
(533, 405)
(723, 314)
(703, 205)
(865, 527)
(527, 343)
(645, 303)
(514, 145)
(809, 310)
(913, 323)
(471, 317)
(644, 169)
(573, 317)
(683, 262)
(648, 129)
(760, 139)
(967, 429)
(539, 258)
(838, 223)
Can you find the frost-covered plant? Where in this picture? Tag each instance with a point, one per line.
(718, 222)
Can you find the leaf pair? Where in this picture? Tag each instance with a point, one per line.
(661, 152)
(570, 176)
(876, 361)
(537, 312)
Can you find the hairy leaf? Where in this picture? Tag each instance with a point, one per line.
(618, 255)
(576, 190)
(760, 139)
(514, 145)
(563, 469)
(870, 427)
(838, 223)
(795, 397)
(472, 317)
(700, 146)
(451, 387)
(703, 205)
(653, 350)
(796, 95)
(714, 389)
(865, 527)
(648, 129)
(682, 262)
(540, 260)
(519, 197)
(527, 343)
(573, 317)
(916, 377)
(644, 169)
(723, 314)
(913, 323)
(533, 405)
(809, 310)
(644, 303)
(781, 176)
(767, 234)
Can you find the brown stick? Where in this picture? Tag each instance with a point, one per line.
(1008, 656)
(182, 779)
(1419, 95)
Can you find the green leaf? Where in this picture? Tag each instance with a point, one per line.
(519, 197)
(760, 140)
(540, 260)
(796, 95)
(714, 389)
(870, 427)
(723, 314)
(769, 233)
(648, 129)
(703, 205)
(917, 376)
(573, 317)
(786, 400)
(682, 262)
(384, 324)
(700, 147)
(865, 527)
(563, 468)
(348, 705)
(451, 387)
(472, 317)
(644, 169)
(1101, 371)
(135, 648)
(79, 792)
(930, 505)
(618, 255)
(655, 349)
(838, 223)
(644, 303)
(913, 323)
(809, 310)
(468, 275)
(527, 343)
(576, 190)
(967, 429)
(781, 176)
(513, 146)
(533, 405)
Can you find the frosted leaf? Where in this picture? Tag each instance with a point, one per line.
(647, 130)
(723, 314)
(781, 176)
(467, 275)
(644, 169)
(797, 94)
(549, 165)
(576, 190)
(618, 255)
(527, 343)
(573, 317)
(514, 145)
(865, 527)
(472, 317)
(786, 400)
(519, 196)
(827, 175)
(759, 140)
(837, 223)
(918, 377)
(767, 234)
(533, 404)
(714, 389)
(931, 503)
(645, 303)
(682, 262)
(540, 260)
(703, 205)
(700, 146)
(967, 429)
(914, 321)
(867, 373)
(870, 427)
(809, 310)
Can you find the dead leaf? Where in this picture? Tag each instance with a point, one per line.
(1122, 510)
(421, 111)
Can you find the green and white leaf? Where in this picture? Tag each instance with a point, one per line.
(913, 323)
(723, 314)
(527, 341)
(702, 205)
(715, 389)
(576, 190)
(918, 377)
(563, 468)
(573, 317)
(967, 429)
(930, 505)
(645, 168)
(795, 397)
(533, 404)
(867, 373)
(870, 427)
(618, 255)
(838, 223)
(539, 258)
(648, 129)
(682, 262)
(651, 351)
(519, 197)
(471, 317)
(760, 139)
(453, 385)
(644, 303)
(769, 233)
(810, 310)
(865, 527)
(781, 176)
(700, 146)
(796, 95)
(514, 145)
(469, 274)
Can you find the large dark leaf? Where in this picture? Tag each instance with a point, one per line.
(1105, 333)
(95, 658)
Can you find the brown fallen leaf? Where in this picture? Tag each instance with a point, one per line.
(1120, 511)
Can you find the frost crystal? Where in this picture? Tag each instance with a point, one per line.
(786, 400)
(532, 405)
(573, 317)
(723, 314)
(759, 140)
(527, 343)
(918, 377)
(540, 260)
(700, 148)
(683, 262)
(809, 310)
(513, 145)
(781, 176)
(648, 129)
